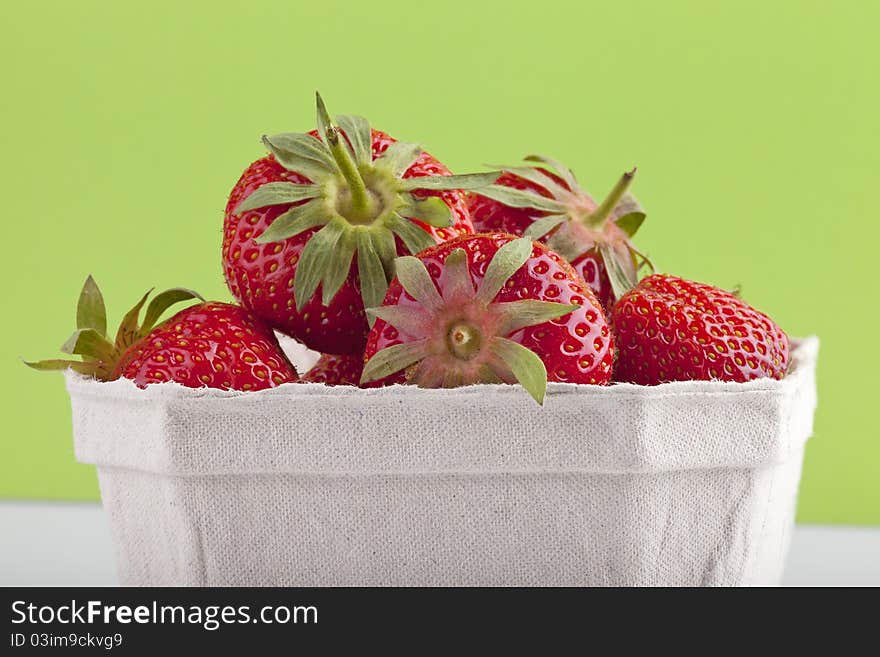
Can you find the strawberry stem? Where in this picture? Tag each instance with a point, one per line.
(361, 203)
(464, 341)
(600, 214)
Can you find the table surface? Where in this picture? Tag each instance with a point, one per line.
(68, 544)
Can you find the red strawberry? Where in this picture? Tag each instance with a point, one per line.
(311, 230)
(670, 329)
(488, 308)
(336, 370)
(214, 345)
(550, 205)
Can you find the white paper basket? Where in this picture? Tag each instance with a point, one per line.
(680, 484)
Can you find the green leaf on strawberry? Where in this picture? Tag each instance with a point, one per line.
(90, 341)
(340, 190)
(491, 309)
(546, 203)
(215, 345)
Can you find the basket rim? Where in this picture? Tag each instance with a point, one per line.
(312, 429)
(803, 362)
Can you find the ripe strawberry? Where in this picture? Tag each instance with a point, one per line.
(311, 230)
(488, 308)
(546, 203)
(671, 329)
(211, 344)
(336, 370)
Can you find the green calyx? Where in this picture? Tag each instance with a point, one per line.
(90, 341)
(573, 224)
(358, 203)
(567, 201)
(462, 336)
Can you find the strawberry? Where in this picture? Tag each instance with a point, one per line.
(488, 308)
(311, 230)
(336, 370)
(211, 344)
(671, 329)
(546, 203)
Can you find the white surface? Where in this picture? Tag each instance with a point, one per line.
(69, 544)
(55, 544)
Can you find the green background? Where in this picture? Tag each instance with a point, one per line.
(753, 124)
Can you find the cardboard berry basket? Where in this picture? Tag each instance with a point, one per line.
(679, 484)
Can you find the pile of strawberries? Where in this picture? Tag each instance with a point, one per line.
(370, 251)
